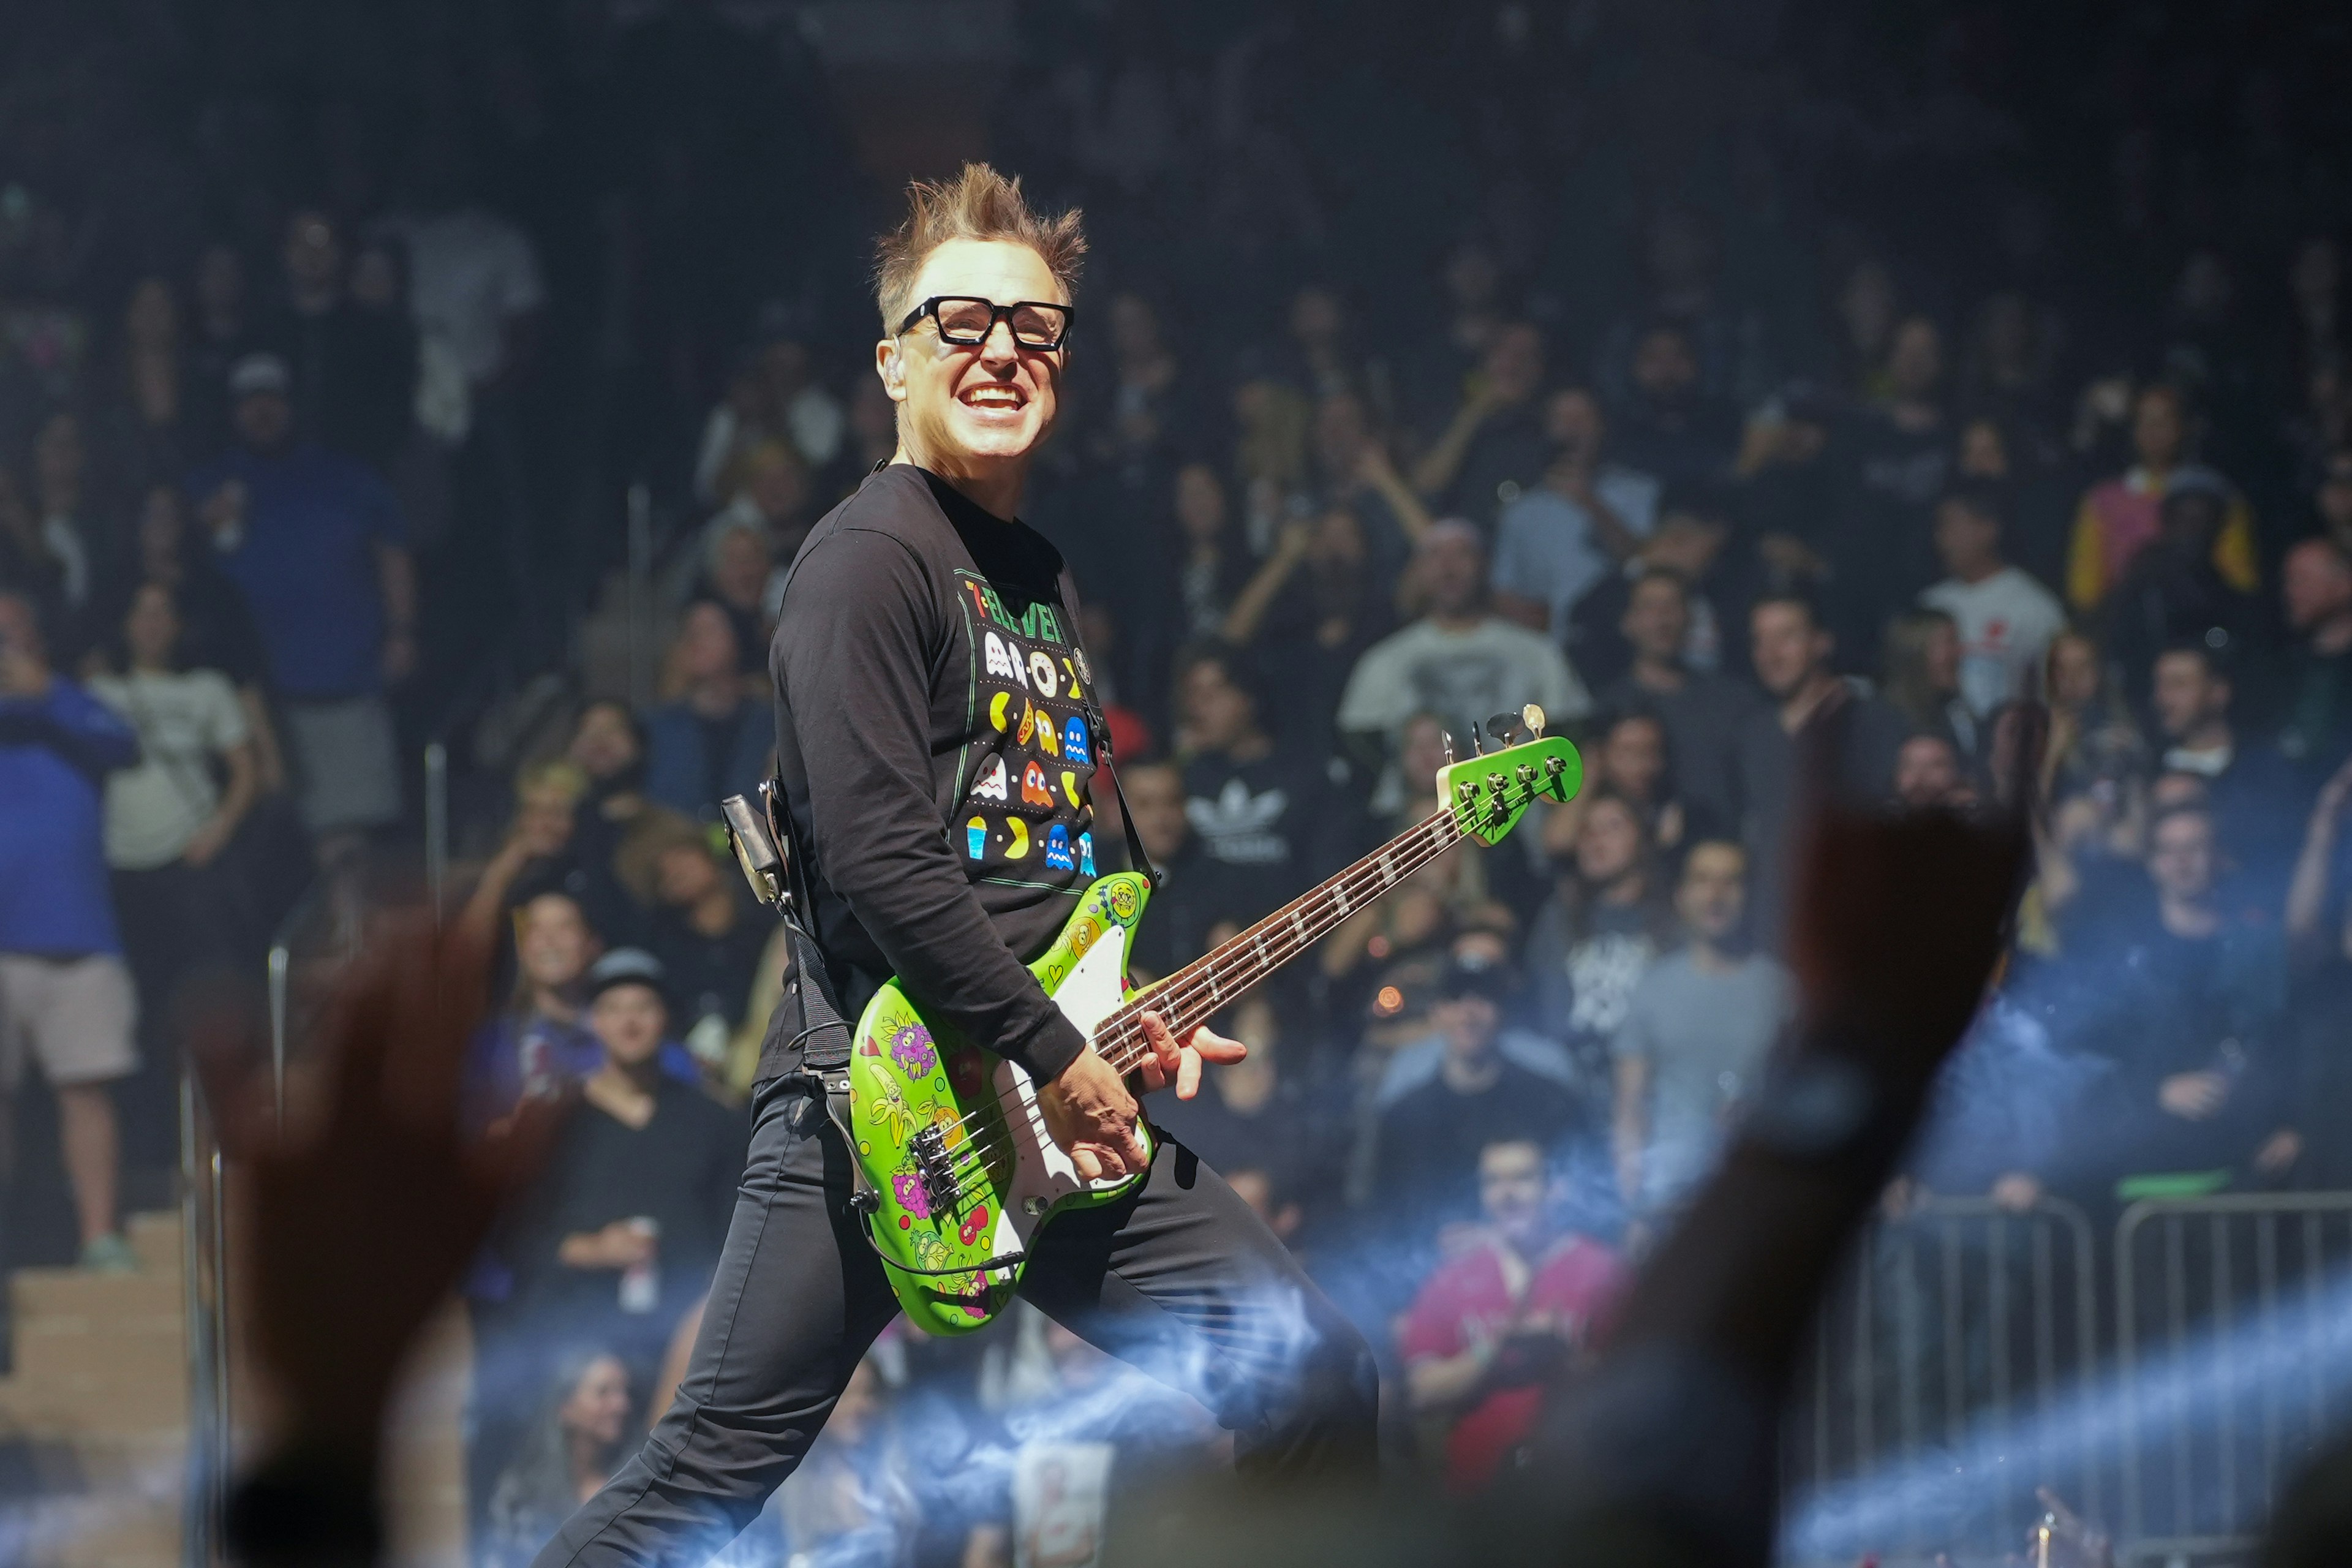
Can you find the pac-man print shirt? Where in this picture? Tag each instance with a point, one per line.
(935, 742)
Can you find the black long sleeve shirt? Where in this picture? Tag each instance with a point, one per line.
(935, 745)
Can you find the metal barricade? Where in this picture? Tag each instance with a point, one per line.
(2231, 1328)
(1961, 1317)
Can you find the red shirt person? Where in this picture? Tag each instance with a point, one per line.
(1498, 1317)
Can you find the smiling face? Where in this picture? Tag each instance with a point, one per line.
(553, 946)
(974, 412)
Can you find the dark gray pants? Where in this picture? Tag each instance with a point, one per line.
(1178, 1277)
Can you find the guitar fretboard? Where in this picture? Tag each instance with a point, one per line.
(1197, 992)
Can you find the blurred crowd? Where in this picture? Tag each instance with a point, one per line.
(1694, 383)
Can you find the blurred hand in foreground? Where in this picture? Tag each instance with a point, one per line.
(358, 1215)
(1899, 922)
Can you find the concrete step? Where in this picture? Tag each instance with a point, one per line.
(126, 1302)
(156, 1237)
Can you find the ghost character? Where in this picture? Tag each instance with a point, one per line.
(1000, 662)
(1085, 853)
(1074, 740)
(1033, 786)
(1057, 849)
(992, 783)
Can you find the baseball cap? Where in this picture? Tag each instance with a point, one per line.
(626, 966)
(1476, 974)
(259, 373)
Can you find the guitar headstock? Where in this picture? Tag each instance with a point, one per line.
(1489, 793)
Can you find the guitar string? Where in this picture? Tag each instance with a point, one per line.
(1204, 978)
(1415, 848)
(1184, 990)
(1406, 854)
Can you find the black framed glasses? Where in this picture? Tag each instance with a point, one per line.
(965, 320)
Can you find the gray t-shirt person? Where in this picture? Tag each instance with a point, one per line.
(1705, 1034)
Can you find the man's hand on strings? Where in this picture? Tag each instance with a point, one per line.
(1181, 1064)
(1090, 1114)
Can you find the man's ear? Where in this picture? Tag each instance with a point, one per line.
(891, 368)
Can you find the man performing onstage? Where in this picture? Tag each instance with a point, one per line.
(935, 760)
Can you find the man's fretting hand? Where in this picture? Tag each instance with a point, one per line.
(1180, 1064)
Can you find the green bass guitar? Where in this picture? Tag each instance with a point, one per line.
(950, 1135)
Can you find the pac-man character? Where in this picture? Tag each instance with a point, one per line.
(1041, 674)
(1057, 849)
(1077, 692)
(976, 838)
(991, 785)
(1070, 788)
(1000, 709)
(1085, 853)
(1033, 786)
(1028, 725)
(1019, 847)
(1074, 740)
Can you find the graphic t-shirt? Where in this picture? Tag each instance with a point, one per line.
(2006, 625)
(935, 746)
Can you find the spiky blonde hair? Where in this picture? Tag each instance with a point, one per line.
(978, 203)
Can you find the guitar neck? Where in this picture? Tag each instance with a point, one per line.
(1197, 992)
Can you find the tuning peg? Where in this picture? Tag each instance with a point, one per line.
(1533, 718)
(1477, 741)
(1448, 734)
(1500, 726)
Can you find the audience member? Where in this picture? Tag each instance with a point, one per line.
(2315, 706)
(1922, 684)
(572, 1450)
(708, 939)
(2118, 517)
(741, 576)
(2194, 1022)
(1194, 894)
(2249, 786)
(714, 739)
(540, 1046)
(1702, 712)
(170, 819)
(1608, 919)
(1792, 653)
(1671, 427)
(1504, 1315)
(67, 1000)
(315, 542)
(2172, 592)
(1587, 516)
(1441, 1102)
(2005, 619)
(1697, 1031)
(1459, 661)
(1260, 812)
(1493, 448)
(619, 1235)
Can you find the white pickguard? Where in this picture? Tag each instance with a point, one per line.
(1041, 1174)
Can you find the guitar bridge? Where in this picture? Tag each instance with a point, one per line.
(935, 1168)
